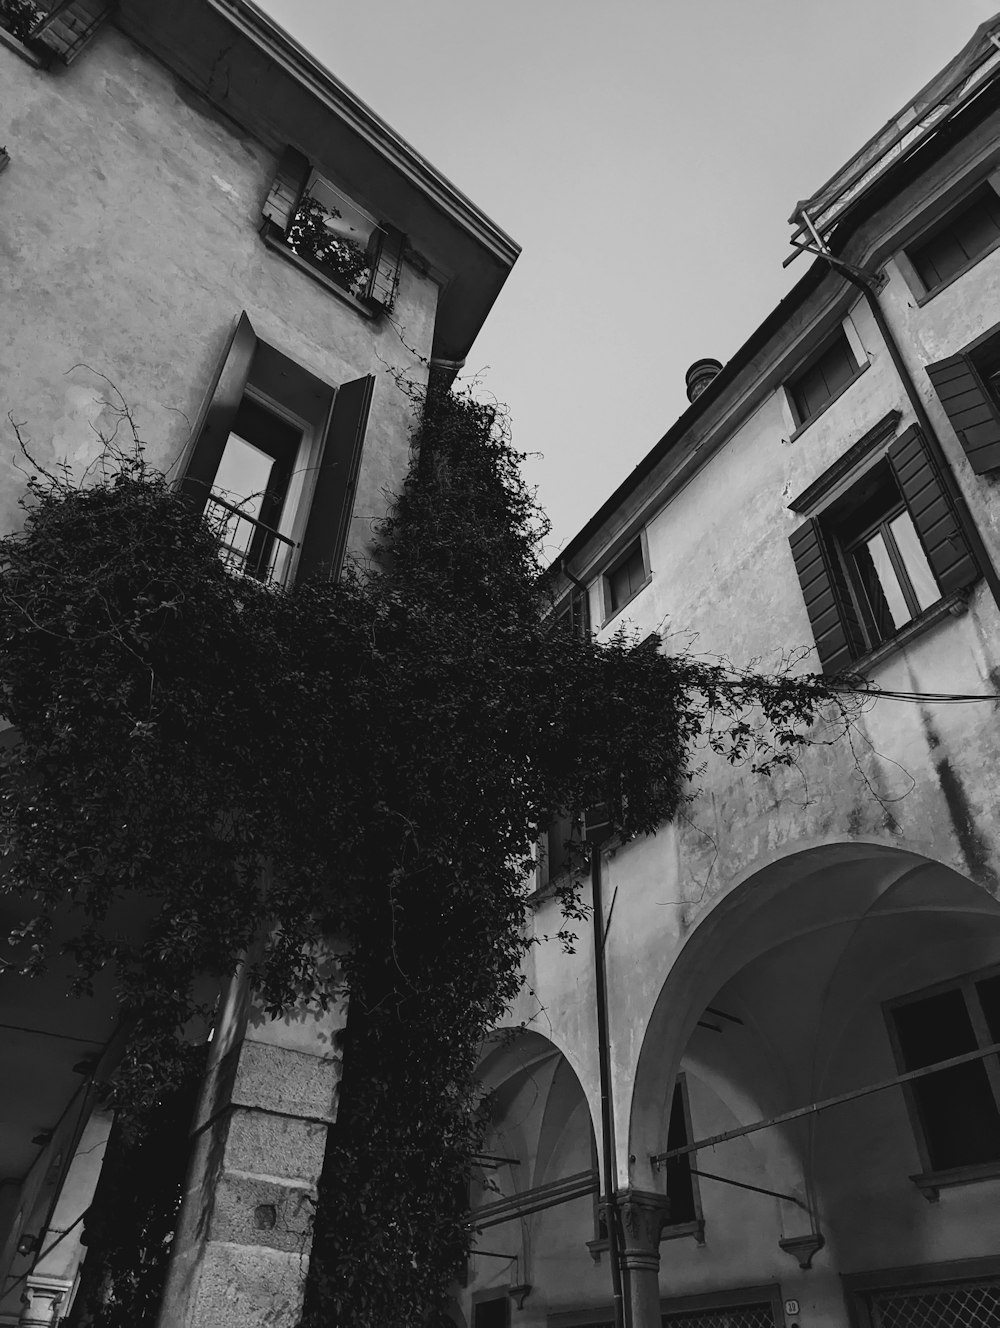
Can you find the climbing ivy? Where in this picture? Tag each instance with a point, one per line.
(208, 767)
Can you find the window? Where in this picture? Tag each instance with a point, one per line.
(274, 462)
(492, 1313)
(968, 387)
(956, 1112)
(875, 559)
(814, 387)
(308, 216)
(625, 578)
(682, 1186)
(959, 241)
(56, 30)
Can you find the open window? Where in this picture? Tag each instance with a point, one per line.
(955, 1112)
(54, 29)
(881, 555)
(308, 216)
(274, 462)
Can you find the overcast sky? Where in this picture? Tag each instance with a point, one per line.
(646, 155)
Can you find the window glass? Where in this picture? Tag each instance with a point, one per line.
(882, 586)
(918, 569)
(335, 234)
(989, 999)
(956, 1107)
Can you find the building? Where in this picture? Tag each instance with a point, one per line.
(200, 221)
(826, 933)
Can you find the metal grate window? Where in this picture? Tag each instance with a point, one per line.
(758, 1315)
(964, 1305)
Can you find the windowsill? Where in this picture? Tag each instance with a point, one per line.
(18, 47)
(277, 245)
(826, 405)
(626, 602)
(931, 1183)
(929, 295)
(954, 605)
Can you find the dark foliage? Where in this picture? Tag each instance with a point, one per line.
(208, 767)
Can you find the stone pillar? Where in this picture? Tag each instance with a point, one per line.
(44, 1298)
(643, 1213)
(241, 1252)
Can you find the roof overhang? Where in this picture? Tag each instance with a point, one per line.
(257, 75)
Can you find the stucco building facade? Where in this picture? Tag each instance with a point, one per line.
(199, 222)
(792, 940)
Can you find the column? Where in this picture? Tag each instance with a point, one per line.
(241, 1252)
(643, 1213)
(43, 1298)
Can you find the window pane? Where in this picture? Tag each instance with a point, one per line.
(243, 475)
(989, 999)
(885, 594)
(918, 569)
(960, 1120)
(680, 1189)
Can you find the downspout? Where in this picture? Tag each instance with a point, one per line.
(864, 282)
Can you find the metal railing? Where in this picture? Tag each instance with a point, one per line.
(247, 546)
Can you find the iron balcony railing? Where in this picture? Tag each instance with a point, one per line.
(247, 546)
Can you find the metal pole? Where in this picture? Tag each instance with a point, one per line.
(604, 1058)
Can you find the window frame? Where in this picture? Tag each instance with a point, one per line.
(792, 384)
(638, 544)
(906, 262)
(56, 18)
(932, 1178)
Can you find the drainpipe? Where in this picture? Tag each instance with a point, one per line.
(865, 283)
(604, 1060)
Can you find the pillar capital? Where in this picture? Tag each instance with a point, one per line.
(643, 1215)
(42, 1299)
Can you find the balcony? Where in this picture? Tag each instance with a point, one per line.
(247, 546)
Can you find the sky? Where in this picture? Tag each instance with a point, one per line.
(646, 155)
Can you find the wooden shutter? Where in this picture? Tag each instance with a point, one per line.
(219, 412)
(69, 25)
(287, 188)
(970, 409)
(836, 629)
(385, 276)
(933, 512)
(333, 500)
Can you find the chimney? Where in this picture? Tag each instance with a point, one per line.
(699, 376)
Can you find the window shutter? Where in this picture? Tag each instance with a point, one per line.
(970, 410)
(68, 27)
(333, 500)
(933, 513)
(219, 413)
(287, 188)
(834, 622)
(385, 277)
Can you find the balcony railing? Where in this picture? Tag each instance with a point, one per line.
(247, 546)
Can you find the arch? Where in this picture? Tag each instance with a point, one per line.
(844, 892)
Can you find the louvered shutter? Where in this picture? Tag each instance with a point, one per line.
(836, 630)
(333, 499)
(933, 512)
(970, 409)
(287, 188)
(220, 413)
(385, 277)
(68, 27)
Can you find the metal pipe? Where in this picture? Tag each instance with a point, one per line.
(657, 1159)
(535, 1200)
(604, 1059)
(757, 1189)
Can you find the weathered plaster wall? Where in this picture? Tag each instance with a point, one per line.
(129, 220)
